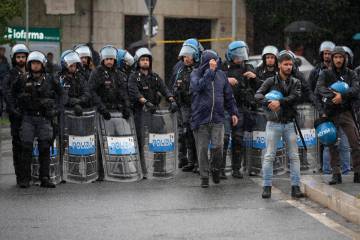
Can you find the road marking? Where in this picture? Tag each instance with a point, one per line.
(313, 213)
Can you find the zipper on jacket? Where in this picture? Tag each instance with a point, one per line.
(213, 101)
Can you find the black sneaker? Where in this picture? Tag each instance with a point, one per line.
(205, 182)
(188, 168)
(24, 184)
(266, 192)
(222, 174)
(196, 169)
(296, 193)
(237, 174)
(45, 183)
(336, 179)
(216, 176)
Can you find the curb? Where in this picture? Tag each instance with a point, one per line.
(340, 202)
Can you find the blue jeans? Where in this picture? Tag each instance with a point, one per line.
(274, 131)
(345, 155)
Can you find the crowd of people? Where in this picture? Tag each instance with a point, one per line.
(212, 100)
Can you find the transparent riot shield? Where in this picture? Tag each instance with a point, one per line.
(310, 158)
(119, 148)
(55, 173)
(160, 144)
(256, 147)
(80, 152)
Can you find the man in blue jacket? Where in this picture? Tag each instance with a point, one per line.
(210, 92)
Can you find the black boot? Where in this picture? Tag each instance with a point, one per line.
(266, 192)
(336, 179)
(222, 174)
(296, 193)
(45, 183)
(205, 182)
(215, 176)
(237, 174)
(356, 177)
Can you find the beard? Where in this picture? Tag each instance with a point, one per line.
(145, 67)
(20, 64)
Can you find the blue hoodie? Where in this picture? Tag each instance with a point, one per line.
(210, 92)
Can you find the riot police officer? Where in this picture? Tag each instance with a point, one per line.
(244, 82)
(183, 161)
(124, 62)
(38, 95)
(18, 54)
(268, 67)
(145, 87)
(86, 60)
(108, 90)
(190, 56)
(76, 94)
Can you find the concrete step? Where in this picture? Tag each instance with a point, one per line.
(343, 198)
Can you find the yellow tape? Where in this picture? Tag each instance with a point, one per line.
(200, 40)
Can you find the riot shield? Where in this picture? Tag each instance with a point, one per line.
(161, 144)
(310, 158)
(55, 173)
(79, 144)
(256, 147)
(119, 148)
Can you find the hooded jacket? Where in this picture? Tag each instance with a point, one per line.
(324, 94)
(210, 93)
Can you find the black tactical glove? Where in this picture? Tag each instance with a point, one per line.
(150, 107)
(51, 113)
(126, 113)
(78, 110)
(106, 115)
(73, 101)
(173, 107)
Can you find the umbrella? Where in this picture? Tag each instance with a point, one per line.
(138, 44)
(301, 26)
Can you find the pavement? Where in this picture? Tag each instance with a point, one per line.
(161, 209)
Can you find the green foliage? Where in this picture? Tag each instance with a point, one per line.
(8, 10)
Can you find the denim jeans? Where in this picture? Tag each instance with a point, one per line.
(345, 155)
(203, 135)
(274, 131)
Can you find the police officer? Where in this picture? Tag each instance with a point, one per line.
(337, 88)
(108, 90)
(244, 83)
(76, 94)
(190, 56)
(86, 60)
(38, 95)
(18, 55)
(268, 67)
(183, 161)
(124, 62)
(349, 57)
(144, 89)
(325, 50)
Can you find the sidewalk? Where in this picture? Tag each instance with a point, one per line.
(344, 198)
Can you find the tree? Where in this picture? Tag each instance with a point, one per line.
(8, 10)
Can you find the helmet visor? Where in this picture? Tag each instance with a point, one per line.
(240, 54)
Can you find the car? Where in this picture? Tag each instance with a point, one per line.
(305, 66)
